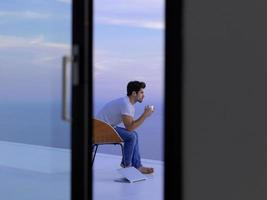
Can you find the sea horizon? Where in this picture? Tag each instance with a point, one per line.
(41, 124)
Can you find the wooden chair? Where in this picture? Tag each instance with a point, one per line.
(103, 133)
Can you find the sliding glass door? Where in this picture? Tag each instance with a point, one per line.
(35, 105)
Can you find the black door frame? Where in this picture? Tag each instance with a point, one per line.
(82, 33)
(82, 99)
(173, 148)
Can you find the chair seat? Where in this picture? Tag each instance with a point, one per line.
(103, 133)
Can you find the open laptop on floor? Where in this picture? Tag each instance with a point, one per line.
(132, 174)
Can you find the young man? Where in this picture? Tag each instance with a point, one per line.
(122, 110)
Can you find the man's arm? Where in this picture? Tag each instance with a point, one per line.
(131, 124)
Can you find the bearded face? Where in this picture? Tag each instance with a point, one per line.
(140, 95)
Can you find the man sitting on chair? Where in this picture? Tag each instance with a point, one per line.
(122, 110)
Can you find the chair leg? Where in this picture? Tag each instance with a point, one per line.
(122, 153)
(94, 152)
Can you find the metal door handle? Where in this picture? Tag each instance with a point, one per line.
(65, 61)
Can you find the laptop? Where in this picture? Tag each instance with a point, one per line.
(131, 174)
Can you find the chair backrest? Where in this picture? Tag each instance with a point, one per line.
(103, 133)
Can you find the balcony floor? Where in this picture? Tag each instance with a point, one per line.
(105, 185)
(44, 173)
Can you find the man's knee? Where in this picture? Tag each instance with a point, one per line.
(136, 134)
(132, 136)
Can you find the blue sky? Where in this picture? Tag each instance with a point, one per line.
(35, 34)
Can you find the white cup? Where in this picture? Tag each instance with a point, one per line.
(151, 107)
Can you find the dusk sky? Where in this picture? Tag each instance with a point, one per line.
(35, 34)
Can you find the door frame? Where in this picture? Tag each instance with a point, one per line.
(173, 115)
(82, 40)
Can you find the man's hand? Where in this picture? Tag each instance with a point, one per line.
(148, 111)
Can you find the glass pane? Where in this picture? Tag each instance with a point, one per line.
(129, 46)
(34, 140)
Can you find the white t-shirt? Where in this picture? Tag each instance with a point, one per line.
(112, 112)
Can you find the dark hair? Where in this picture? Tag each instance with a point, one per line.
(135, 86)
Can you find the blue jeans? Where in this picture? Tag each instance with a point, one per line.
(131, 155)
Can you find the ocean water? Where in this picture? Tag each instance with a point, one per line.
(34, 123)
(41, 124)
